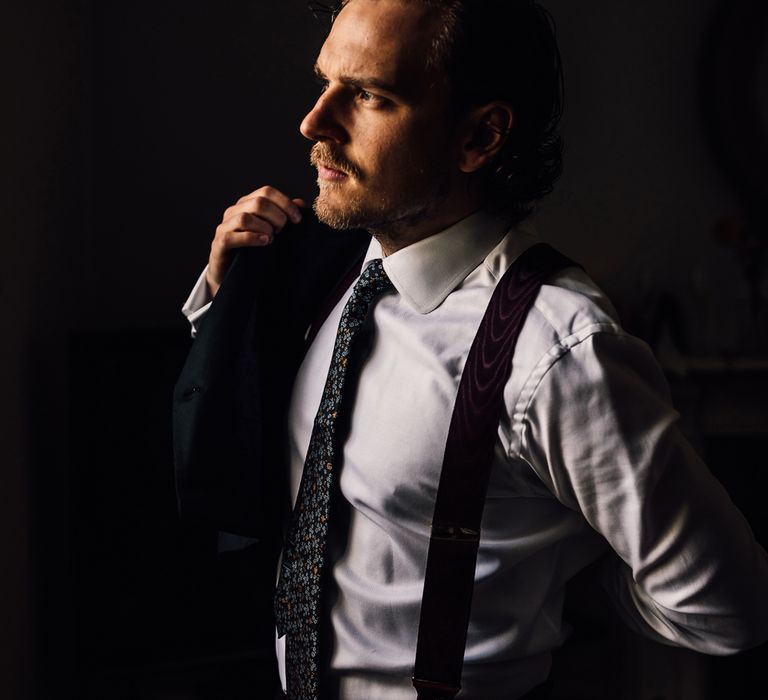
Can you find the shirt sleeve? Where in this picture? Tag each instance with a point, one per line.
(600, 430)
(197, 303)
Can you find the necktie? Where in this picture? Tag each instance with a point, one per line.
(297, 599)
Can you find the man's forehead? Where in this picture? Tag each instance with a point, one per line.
(390, 39)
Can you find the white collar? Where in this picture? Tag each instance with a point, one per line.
(426, 272)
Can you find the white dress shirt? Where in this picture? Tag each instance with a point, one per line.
(588, 455)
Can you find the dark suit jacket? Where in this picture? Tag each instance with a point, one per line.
(231, 400)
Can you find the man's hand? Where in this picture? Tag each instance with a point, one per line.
(253, 221)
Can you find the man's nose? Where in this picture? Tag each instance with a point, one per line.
(322, 123)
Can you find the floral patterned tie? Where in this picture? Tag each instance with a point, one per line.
(297, 599)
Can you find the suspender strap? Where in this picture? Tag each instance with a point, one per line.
(450, 573)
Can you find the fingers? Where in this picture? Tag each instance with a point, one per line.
(242, 215)
(263, 222)
(276, 197)
(253, 221)
(229, 240)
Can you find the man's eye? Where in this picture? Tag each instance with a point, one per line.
(323, 84)
(369, 97)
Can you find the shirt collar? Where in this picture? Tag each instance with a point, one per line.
(426, 272)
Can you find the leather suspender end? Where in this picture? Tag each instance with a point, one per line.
(434, 690)
(454, 532)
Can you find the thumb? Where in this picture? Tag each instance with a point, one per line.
(299, 202)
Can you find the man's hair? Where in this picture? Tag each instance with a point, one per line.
(505, 50)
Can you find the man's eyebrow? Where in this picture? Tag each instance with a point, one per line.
(361, 82)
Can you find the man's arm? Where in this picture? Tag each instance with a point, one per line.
(253, 221)
(231, 396)
(601, 432)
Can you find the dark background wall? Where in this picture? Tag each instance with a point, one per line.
(126, 129)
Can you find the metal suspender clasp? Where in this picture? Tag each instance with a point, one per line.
(454, 532)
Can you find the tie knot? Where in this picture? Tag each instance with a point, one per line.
(373, 281)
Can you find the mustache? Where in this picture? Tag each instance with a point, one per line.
(322, 153)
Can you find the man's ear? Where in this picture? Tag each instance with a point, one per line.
(487, 130)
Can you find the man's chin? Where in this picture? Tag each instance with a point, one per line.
(352, 214)
(335, 216)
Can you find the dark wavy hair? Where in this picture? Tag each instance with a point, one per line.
(504, 50)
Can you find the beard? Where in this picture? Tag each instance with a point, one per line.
(378, 204)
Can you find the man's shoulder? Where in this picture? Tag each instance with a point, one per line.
(568, 303)
(570, 306)
(568, 310)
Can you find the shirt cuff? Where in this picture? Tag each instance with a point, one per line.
(197, 303)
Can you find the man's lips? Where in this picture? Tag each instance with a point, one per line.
(327, 173)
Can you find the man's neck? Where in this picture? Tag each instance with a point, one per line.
(401, 236)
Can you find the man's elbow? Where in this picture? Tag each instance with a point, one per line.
(726, 636)
(743, 636)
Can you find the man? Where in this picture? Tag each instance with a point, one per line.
(435, 132)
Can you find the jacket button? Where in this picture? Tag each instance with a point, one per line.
(189, 393)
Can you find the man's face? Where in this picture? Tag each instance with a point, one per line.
(384, 150)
